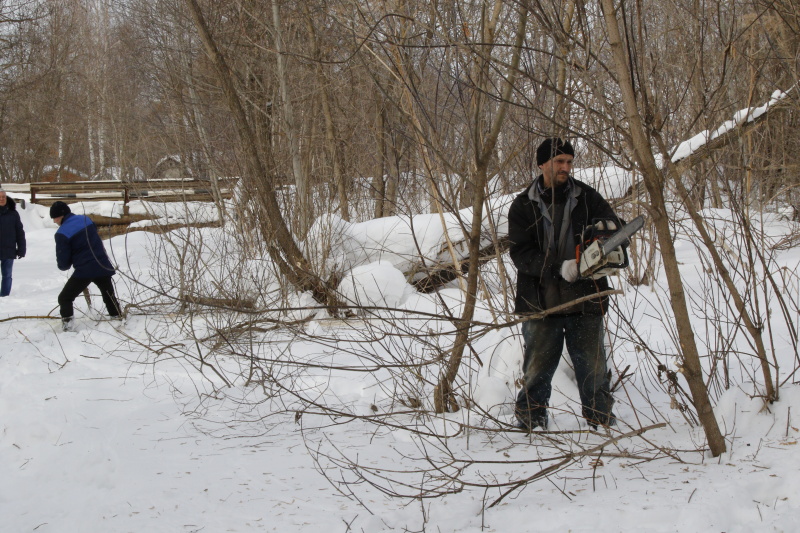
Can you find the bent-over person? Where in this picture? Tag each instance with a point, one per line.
(79, 246)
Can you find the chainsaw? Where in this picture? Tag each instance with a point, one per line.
(603, 248)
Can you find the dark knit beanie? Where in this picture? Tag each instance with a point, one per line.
(59, 209)
(551, 148)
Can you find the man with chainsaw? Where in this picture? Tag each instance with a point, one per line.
(545, 226)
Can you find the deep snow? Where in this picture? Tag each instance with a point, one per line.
(96, 437)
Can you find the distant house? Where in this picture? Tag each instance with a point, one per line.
(171, 167)
(60, 174)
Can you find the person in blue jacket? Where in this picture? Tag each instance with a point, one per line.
(78, 245)
(12, 240)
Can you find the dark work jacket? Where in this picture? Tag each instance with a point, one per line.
(78, 245)
(530, 230)
(12, 235)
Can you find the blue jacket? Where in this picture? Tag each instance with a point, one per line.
(78, 245)
(12, 236)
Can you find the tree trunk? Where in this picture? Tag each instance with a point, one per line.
(561, 107)
(443, 393)
(282, 248)
(290, 127)
(719, 265)
(378, 180)
(330, 126)
(197, 122)
(654, 182)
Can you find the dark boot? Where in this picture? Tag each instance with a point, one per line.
(530, 420)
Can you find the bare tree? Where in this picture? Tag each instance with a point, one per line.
(484, 145)
(654, 181)
(293, 264)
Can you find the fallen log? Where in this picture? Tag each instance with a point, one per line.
(441, 274)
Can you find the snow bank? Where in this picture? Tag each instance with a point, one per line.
(377, 284)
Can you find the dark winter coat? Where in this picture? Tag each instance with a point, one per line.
(12, 235)
(79, 245)
(530, 230)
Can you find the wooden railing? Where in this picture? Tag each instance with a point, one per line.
(151, 190)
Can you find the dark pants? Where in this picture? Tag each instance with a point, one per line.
(75, 286)
(544, 342)
(6, 265)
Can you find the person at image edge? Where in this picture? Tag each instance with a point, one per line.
(12, 240)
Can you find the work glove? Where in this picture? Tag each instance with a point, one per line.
(569, 270)
(606, 225)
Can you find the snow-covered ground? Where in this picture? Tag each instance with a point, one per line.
(106, 429)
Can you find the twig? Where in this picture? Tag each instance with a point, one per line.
(597, 462)
(788, 420)
(571, 457)
(23, 317)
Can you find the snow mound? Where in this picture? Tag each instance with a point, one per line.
(377, 284)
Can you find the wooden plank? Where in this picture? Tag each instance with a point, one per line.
(175, 185)
(160, 198)
(46, 193)
(149, 185)
(45, 187)
(48, 200)
(167, 197)
(16, 187)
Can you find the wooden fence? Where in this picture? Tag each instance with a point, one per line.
(151, 190)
